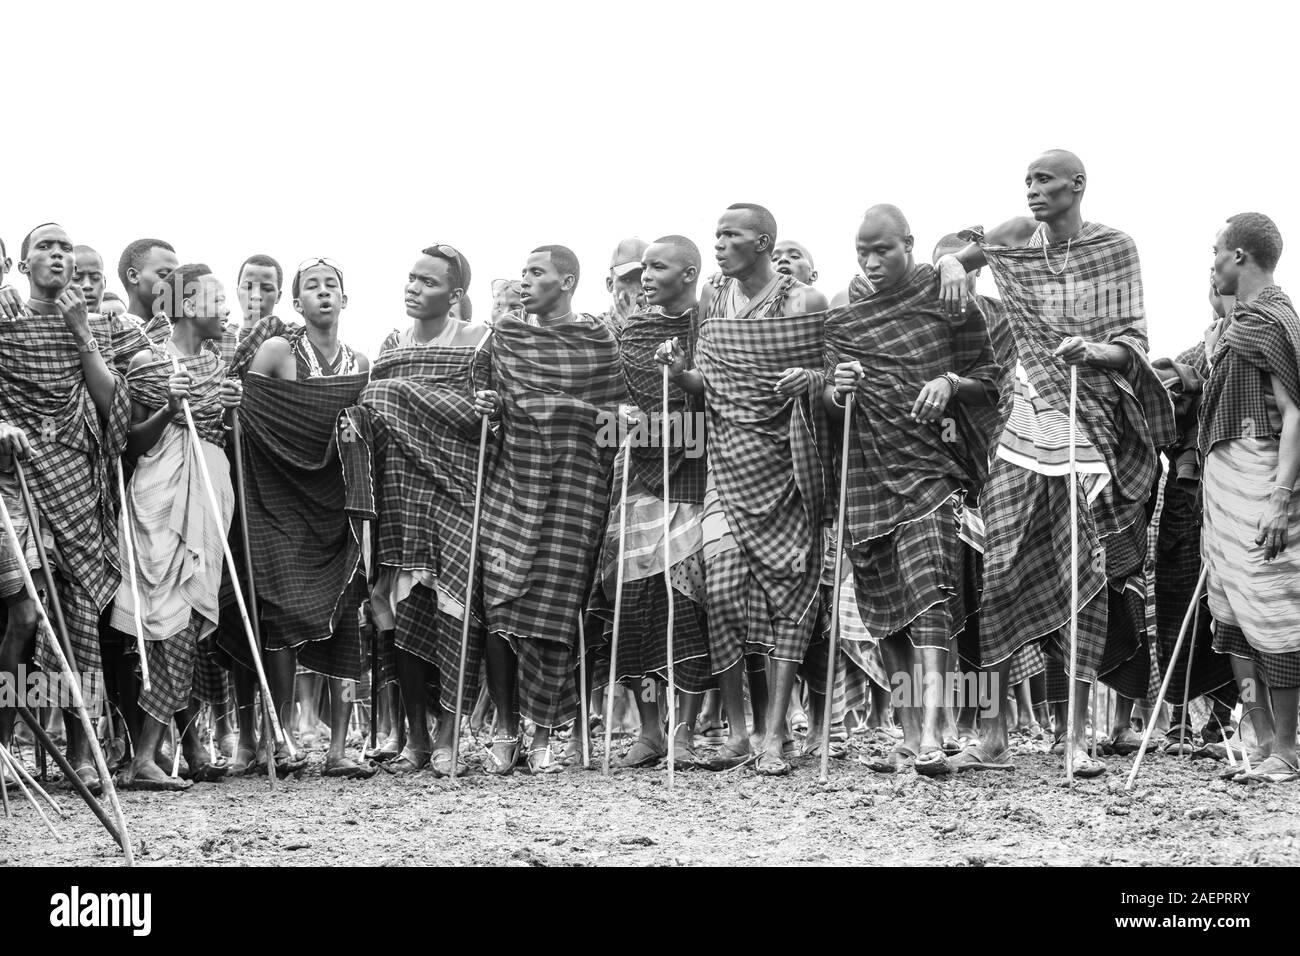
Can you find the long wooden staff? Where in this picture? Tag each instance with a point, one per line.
(1074, 578)
(612, 686)
(129, 539)
(1187, 678)
(48, 746)
(833, 640)
(1169, 674)
(18, 772)
(469, 595)
(254, 644)
(582, 690)
(268, 705)
(58, 644)
(668, 584)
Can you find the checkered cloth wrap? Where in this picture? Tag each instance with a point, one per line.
(425, 440)
(43, 392)
(1280, 671)
(902, 475)
(238, 348)
(1123, 418)
(306, 548)
(1262, 340)
(148, 384)
(172, 665)
(545, 497)
(772, 472)
(641, 336)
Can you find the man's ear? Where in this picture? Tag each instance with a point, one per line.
(609, 284)
(812, 276)
(456, 296)
(297, 305)
(908, 243)
(1080, 183)
(189, 308)
(765, 243)
(22, 267)
(690, 274)
(569, 283)
(1239, 256)
(343, 300)
(132, 277)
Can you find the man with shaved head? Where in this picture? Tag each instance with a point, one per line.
(763, 497)
(143, 269)
(918, 450)
(1072, 299)
(668, 277)
(554, 379)
(88, 275)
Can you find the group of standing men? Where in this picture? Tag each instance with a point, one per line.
(497, 496)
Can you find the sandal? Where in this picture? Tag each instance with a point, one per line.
(384, 752)
(209, 771)
(648, 755)
(768, 765)
(1274, 769)
(685, 757)
(977, 757)
(440, 762)
(729, 758)
(1124, 744)
(348, 769)
(1086, 766)
(503, 764)
(812, 747)
(900, 758)
(541, 760)
(241, 765)
(932, 763)
(410, 762)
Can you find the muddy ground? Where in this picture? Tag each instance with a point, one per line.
(1179, 814)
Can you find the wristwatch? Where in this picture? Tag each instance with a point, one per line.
(90, 345)
(955, 381)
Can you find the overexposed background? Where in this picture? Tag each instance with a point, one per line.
(364, 132)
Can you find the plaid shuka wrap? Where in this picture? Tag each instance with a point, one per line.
(43, 391)
(641, 336)
(1262, 340)
(238, 349)
(900, 470)
(768, 458)
(424, 436)
(545, 498)
(1123, 417)
(148, 385)
(305, 545)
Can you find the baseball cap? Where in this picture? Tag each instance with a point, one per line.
(627, 256)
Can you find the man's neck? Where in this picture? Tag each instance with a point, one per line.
(250, 323)
(141, 310)
(426, 330)
(326, 339)
(755, 279)
(561, 311)
(186, 338)
(42, 302)
(1252, 283)
(1065, 226)
(682, 304)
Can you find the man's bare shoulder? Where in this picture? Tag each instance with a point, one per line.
(363, 363)
(141, 358)
(271, 356)
(471, 334)
(840, 298)
(804, 299)
(1013, 232)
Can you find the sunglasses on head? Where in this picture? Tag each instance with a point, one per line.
(443, 249)
(319, 261)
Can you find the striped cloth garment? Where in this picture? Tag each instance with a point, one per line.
(768, 477)
(545, 498)
(1095, 292)
(43, 391)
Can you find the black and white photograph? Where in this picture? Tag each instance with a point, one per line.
(586, 434)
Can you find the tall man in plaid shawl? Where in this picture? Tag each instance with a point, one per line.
(305, 543)
(671, 268)
(1072, 296)
(759, 368)
(177, 537)
(916, 452)
(544, 501)
(420, 408)
(1249, 439)
(59, 388)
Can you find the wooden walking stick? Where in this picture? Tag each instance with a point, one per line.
(1169, 674)
(1074, 577)
(268, 704)
(582, 690)
(58, 642)
(7, 761)
(1187, 678)
(129, 538)
(46, 745)
(668, 585)
(612, 686)
(4, 793)
(18, 766)
(469, 595)
(833, 637)
(254, 642)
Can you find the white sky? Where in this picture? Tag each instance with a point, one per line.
(365, 131)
